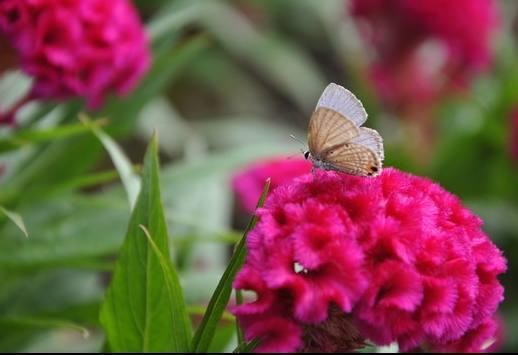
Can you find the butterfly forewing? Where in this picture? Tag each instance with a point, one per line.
(353, 158)
(328, 128)
(343, 101)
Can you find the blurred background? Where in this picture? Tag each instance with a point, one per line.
(229, 82)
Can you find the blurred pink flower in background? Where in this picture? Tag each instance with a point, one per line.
(7, 57)
(337, 258)
(425, 49)
(249, 182)
(76, 48)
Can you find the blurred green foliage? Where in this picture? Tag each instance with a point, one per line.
(231, 80)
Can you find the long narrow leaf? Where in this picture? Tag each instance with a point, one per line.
(33, 136)
(247, 347)
(205, 332)
(239, 331)
(43, 322)
(144, 309)
(130, 180)
(16, 219)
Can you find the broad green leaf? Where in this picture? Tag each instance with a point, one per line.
(16, 219)
(205, 332)
(130, 180)
(141, 313)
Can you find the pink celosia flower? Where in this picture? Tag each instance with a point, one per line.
(396, 256)
(487, 337)
(249, 182)
(85, 48)
(401, 30)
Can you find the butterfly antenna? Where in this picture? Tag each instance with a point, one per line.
(297, 139)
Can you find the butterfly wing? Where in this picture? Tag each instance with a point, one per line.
(353, 158)
(336, 140)
(343, 101)
(371, 139)
(328, 128)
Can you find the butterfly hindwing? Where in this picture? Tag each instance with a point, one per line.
(343, 101)
(371, 139)
(328, 128)
(353, 158)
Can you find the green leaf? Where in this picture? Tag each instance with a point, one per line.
(247, 347)
(205, 332)
(57, 162)
(16, 219)
(142, 312)
(172, 19)
(286, 65)
(130, 180)
(240, 334)
(224, 339)
(200, 311)
(69, 228)
(43, 322)
(27, 137)
(85, 181)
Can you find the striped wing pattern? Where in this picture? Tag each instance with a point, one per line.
(354, 159)
(336, 140)
(328, 128)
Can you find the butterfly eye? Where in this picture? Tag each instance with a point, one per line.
(374, 168)
(306, 155)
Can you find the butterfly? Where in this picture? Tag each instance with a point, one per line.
(336, 139)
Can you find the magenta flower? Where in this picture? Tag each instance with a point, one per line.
(400, 32)
(84, 48)
(249, 182)
(336, 259)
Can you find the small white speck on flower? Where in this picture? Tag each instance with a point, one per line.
(299, 268)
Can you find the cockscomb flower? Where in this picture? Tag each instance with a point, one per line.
(248, 183)
(433, 41)
(336, 259)
(77, 48)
